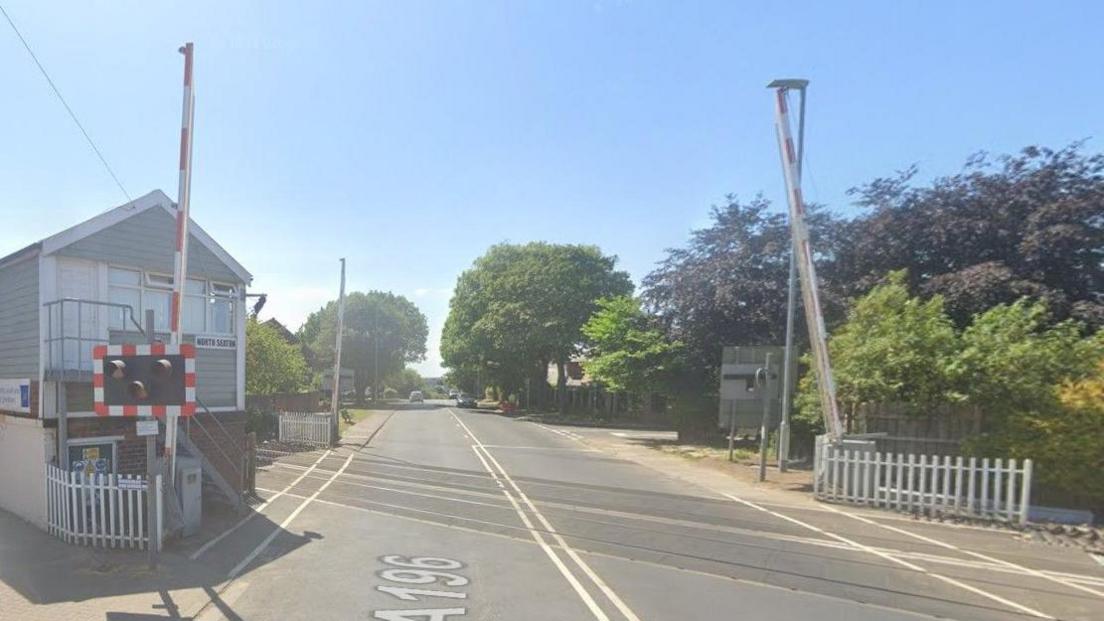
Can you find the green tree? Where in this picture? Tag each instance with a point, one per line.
(627, 351)
(1013, 358)
(893, 348)
(406, 381)
(272, 365)
(382, 332)
(1036, 384)
(520, 307)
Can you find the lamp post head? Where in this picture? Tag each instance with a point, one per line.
(794, 83)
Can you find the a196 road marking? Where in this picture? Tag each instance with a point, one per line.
(420, 570)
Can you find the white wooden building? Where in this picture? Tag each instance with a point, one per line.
(91, 284)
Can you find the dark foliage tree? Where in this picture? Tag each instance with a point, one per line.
(728, 287)
(1031, 225)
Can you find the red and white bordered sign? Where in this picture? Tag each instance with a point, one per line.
(185, 350)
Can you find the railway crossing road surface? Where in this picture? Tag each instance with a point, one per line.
(430, 513)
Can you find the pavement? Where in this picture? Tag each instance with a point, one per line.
(430, 513)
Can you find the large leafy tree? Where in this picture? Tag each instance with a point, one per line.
(521, 307)
(627, 351)
(382, 332)
(1025, 225)
(272, 364)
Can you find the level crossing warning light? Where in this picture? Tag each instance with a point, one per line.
(144, 380)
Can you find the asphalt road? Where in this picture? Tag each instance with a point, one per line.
(449, 514)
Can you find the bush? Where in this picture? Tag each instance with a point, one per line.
(272, 365)
(1039, 385)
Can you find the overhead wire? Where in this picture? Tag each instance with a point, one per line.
(64, 103)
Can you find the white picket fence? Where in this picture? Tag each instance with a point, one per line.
(305, 428)
(101, 510)
(980, 488)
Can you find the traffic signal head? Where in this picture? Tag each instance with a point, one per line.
(144, 380)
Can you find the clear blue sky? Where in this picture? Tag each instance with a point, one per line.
(408, 136)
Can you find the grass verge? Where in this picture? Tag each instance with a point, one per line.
(356, 414)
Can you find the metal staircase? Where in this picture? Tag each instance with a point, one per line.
(233, 462)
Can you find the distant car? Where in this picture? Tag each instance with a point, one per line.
(465, 401)
(417, 397)
(454, 393)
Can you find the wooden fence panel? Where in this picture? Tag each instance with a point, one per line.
(999, 490)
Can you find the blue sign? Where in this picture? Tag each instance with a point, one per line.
(15, 395)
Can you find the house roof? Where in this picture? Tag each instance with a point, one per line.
(288, 335)
(152, 200)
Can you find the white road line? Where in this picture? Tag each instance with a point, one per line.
(540, 448)
(893, 559)
(609, 592)
(283, 525)
(529, 541)
(571, 435)
(606, 590)
(570, 577)
(998, 566)
(991, 559)
(207, 546)
(954, 561)
(595, 609)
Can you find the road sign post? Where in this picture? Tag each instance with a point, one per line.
(151, 466)
(764, 428)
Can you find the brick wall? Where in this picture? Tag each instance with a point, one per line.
(130, 452)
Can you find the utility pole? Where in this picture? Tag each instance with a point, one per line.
(814, 318)
(791, 303)
(180, 264)
(375, 358)
(335, 399)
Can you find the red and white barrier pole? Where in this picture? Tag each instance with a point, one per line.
(180, 267)
(803, 254)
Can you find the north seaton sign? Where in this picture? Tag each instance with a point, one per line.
(216, 342)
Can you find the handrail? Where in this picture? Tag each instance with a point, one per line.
(238, 468)
(218, 446)
(119, 305)
(79, 338)
(215, 418)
